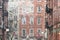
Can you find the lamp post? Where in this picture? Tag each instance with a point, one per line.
(7, 31)
(27, 37)
(42, 35)
(46, 34)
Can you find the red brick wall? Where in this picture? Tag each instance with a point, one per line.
(35, 14)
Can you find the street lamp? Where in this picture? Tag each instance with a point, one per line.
(7, 31)
(42, 35)
(27, 37)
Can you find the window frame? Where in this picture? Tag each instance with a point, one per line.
(31, 20)
(23, 20)
(38, 20)
(39, 9)
(31, 34)
(1, 4)
(38, 30)
(23, 33)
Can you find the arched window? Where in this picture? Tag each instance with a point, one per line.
(31, 20)
(38, 9)
(38, 20)
(23, 20)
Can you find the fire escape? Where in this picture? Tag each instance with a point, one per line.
(49, 19)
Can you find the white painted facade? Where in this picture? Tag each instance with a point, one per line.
(26, 7)
(13, 14)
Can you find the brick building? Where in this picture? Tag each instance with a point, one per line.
(0, 19)
(32, 18)
(54, 19)
(3, 18)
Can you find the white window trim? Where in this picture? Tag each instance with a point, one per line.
(30, 8)
(40, 9)
(23, 19)
(31, 19)
(31, 34)
(39, 29)
(22, 31)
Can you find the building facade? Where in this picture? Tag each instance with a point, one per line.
(32, 19)
(0, 19)
(54, 19)
(3, 19)
(13, 19)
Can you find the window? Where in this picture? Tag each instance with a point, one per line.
(15, 18)
(24, 8)
(23, 20)
(30, 8)
(39, 31)
(31, 20)
(38, 20)
(15, 24)
(23, 32)
(39, 0)
(0, 4)
(31, 32)
(38, 9)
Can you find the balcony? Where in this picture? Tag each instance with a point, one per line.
(49, 10)
(48, 26)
